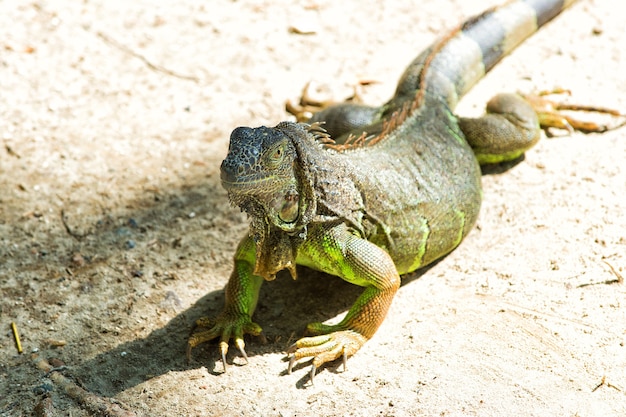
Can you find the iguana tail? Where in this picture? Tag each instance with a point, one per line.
(452, 65)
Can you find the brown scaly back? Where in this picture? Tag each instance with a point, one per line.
(398, 117)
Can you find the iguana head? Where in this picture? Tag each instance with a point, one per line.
(260, 174)
(266, 174)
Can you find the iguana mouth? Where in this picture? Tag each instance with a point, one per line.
(232, 182)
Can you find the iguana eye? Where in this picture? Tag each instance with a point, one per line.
(275, 156)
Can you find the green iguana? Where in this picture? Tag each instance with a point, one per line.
(377, 192)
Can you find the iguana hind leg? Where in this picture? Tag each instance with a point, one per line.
(510, 128)
(339, 119)
(551, 113)
(513, 123)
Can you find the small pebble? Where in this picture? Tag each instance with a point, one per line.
(78, 260)
(56, 363)
(43, 389)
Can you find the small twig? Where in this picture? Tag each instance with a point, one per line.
(11, 151)
(92, 402)
(602, 382)
(145, 60)
(618, 280)
(68, 229)
(607, 282)
(16, 336)
(607, 384)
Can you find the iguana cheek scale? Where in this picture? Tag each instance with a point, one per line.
(381, 191)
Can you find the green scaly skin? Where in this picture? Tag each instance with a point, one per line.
(371, 210)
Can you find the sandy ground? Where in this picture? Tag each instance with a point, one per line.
(115, 234)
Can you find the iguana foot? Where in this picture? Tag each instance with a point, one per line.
(325, 348)
(551, 116)
(307, 106)
(226, 326)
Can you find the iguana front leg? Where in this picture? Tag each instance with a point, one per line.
(340, 252)
(242, 293)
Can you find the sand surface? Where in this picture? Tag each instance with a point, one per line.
(115, 234)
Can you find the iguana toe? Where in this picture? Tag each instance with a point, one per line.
(551, 114)
(326, 348)
(226, 327)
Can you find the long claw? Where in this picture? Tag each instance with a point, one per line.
(223, 351)
(345, 360)
(241, 346)
(292, 360)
